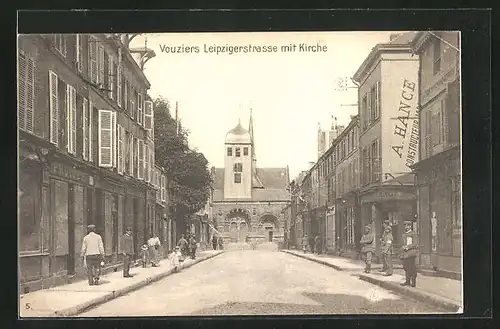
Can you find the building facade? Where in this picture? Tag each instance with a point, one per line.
(247, 200)
(439, 168)
(347, 210)
(388, 137)
(86, 152)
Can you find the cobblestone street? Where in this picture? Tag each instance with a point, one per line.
(259, 282)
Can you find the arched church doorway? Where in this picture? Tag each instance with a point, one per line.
(269, 226)
(239, 220)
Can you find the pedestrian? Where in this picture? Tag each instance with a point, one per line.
(192, 247)
(221, 243)
(92, 254)
(154, 250)
(144, 255)
(311, 244)
(317, 244)
(214, 242)
(127, 245)
(305, 242)
(386, 248)
(183, 243)
(175, 258)
(367, 247)
(409, 255)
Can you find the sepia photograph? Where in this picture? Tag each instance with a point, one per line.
(249, 173)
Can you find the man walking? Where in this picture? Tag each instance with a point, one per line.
(192, 247)
(183, 243)
(214, 242)
(367, 247)
(92, 253)
(386, 248)
(127, 245)
(409, 255)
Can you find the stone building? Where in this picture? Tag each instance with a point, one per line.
(388, 137)
(86, 153)
(439, 167)
(248, 201)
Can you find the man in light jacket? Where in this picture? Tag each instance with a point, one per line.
(93, 254)
(409, 254)
(367, 247)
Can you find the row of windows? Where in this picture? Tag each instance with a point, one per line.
(341, 150)
(370, 163)
(77, 126)
(237, 151)
(370, 106)
(106, 70)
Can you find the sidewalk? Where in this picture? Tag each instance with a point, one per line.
(442, 292)
(75, 298)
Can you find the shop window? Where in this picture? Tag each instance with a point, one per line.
(29, 212)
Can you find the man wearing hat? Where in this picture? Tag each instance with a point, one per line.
(386, 248)
(92, 254)
(367, 247)
(409, 255)
(127, 244)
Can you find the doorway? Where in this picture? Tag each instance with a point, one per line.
(71, 231)
(270, 236)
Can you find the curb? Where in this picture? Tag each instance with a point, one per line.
(435, 300)
(322, 262)
(75, 310)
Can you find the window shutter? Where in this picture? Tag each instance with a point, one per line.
(91, 124)
(21, 89)
(162, 188)
(377, 100)
(119, 85)
(132, 106)
(105, 138)
(120, 149)
(93, 65)
(152, 158)
(148, 115)
(130, 155)
(100, 79)
(444, 122)
(146, 162)
(79, 53)
(73, 119)
(111, 76)
(140, 161)
(85, 135)
(139, 108)
(125, 94)
(54, 108)
(114, 140)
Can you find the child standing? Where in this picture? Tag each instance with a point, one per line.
(175, 258)
(144, 251)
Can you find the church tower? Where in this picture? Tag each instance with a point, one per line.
(238, 164)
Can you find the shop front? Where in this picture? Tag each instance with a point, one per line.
(440, 212)
(394, 204)
(348, 230)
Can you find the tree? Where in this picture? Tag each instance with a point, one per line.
(186, 169)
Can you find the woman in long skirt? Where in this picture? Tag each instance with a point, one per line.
(154, 246)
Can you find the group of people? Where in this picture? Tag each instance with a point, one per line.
(217, 241)
(312, 244)
(408, 253)
(92, 252)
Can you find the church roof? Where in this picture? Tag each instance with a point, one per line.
(238, 135)
(275, 182)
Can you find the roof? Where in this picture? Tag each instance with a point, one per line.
(238, 135)
(275, 182)
(399, 44)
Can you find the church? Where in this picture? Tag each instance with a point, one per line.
(248, 201)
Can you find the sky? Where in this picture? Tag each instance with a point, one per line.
(289, 92)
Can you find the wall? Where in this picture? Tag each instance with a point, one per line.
(399, 96)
